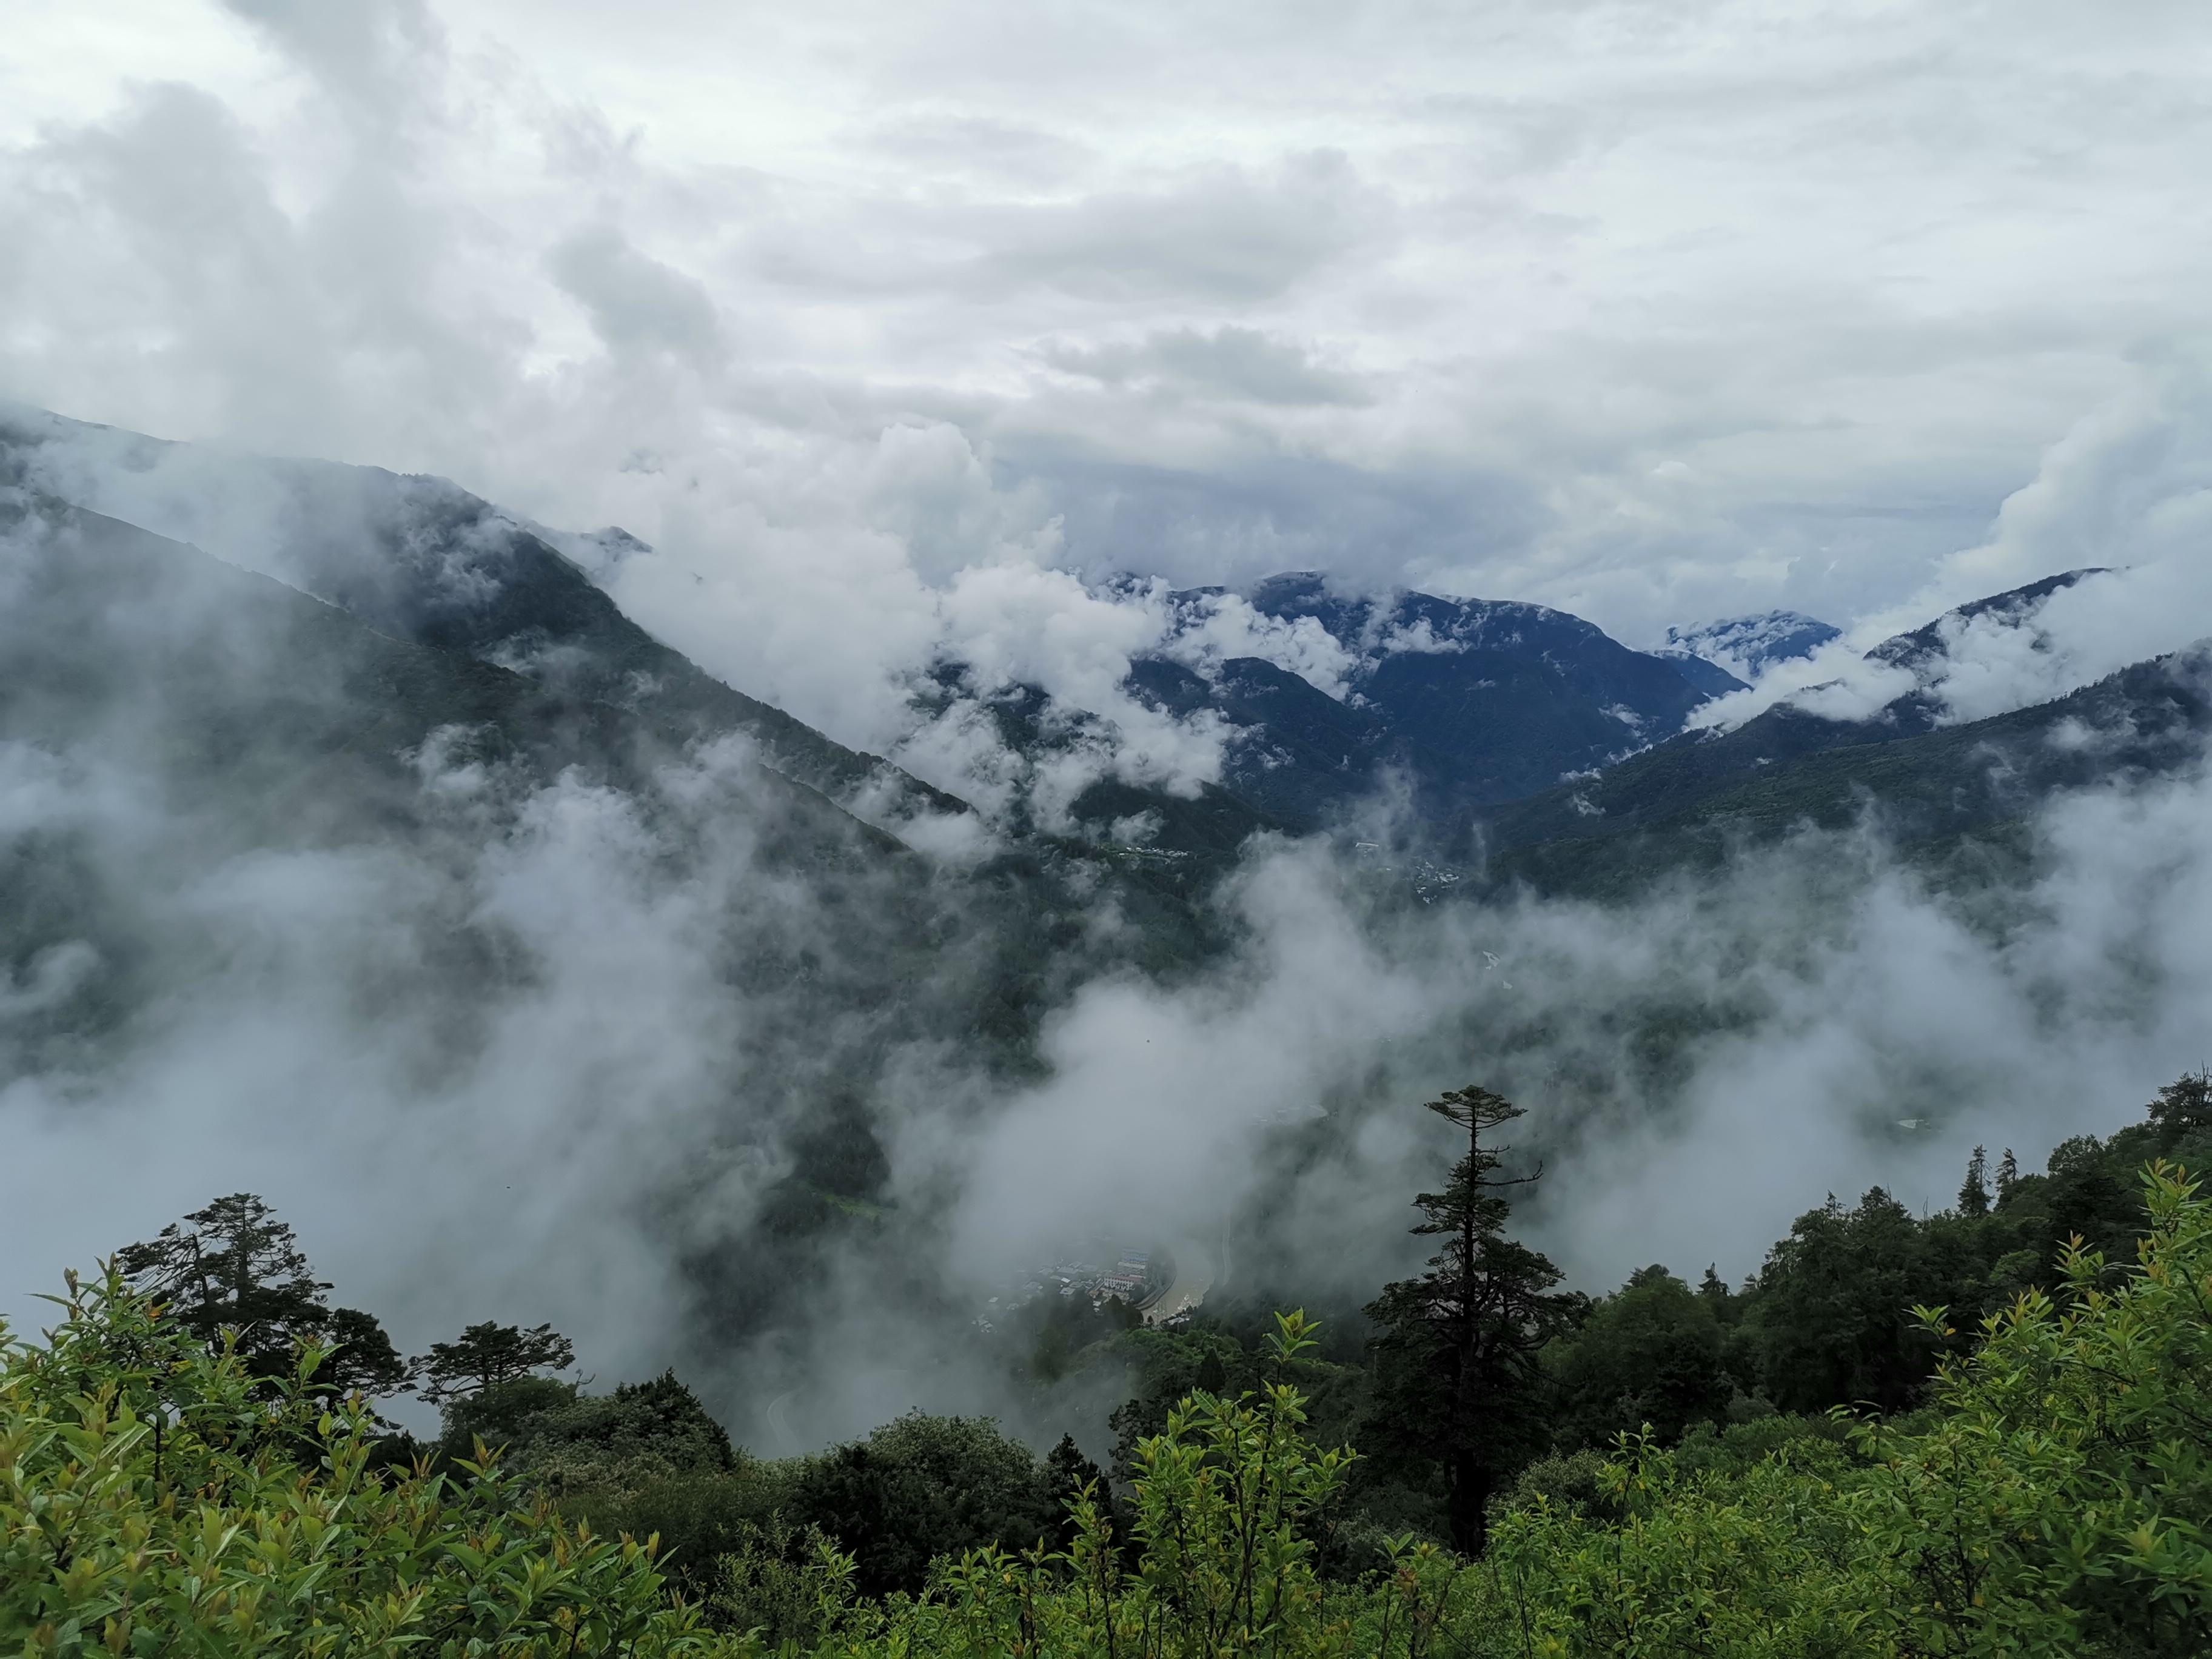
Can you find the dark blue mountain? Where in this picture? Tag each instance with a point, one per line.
(1689, 803)
(1752, 644)
(1709, 678)
(1683, 799)
(1463, 703)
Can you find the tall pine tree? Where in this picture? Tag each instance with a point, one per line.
(1456, 1380)
(1974, 1192)
(234, 1267)
(486, 1356)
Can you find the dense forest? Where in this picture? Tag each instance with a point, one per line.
(1985, 1430)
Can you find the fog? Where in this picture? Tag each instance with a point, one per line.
(899, 341)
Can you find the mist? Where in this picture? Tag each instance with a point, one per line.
(933, 361)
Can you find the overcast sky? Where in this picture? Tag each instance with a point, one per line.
(871, 315)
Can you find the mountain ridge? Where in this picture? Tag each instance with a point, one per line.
(1493, 722)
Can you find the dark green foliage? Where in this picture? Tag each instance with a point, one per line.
(566, 1440)
(1974, 1191)
(2184, 1106)
(1067, 1330)
(1650, 1354)
(921, 1487)
(1830, 1323)
(488, 1355)
(1825, 1322)
(1456, 1380)
(234, 1267)
(1068, 1475)
(1212, 1356)
(698, 1516)
(497, 1415)
(1732, 1449)
(1167, 1365)
(767, 1579)
(1713, 1291)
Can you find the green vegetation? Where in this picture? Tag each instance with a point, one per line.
(159, 1496)
(1970, 1433)
(1457, 1378)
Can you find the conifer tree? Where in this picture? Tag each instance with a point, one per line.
(1974, 1195)
(488, 1355)
(1455, 1377)
(234, 1267)
(2008, 1174)
(2183, 1105)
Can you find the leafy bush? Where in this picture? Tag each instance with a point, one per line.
(570, 1442)
(160, 1497)
(921, 1487)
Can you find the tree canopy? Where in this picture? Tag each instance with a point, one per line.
(233, 1267)
(488, 1355)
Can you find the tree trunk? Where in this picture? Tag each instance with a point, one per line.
(1468, 1503)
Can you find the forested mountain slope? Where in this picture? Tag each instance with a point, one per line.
(1451, 703)
(178, 730)
(422, 560)
(1682, 803)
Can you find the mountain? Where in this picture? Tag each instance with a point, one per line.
(1466, 703)
(1751, 645)
(1683, 803)
(182, 740)
(1500, 723)
(1515, 695)
(252, 717)
(1753, 776)
(1924, 649)
(1709, 678)
(422, 560)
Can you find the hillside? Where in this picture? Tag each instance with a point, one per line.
(1684, 803)
(422, 560)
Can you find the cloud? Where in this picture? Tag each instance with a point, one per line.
(1212, 628)
(1230, 238)
(1237, 522)
(379, 58)
(1231, 362)
(1570, 357)
(635, 301)
(1000, 150)
(2126, 492)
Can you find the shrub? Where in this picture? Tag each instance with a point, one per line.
(157, 1497)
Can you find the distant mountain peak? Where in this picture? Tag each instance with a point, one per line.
(1474, 701)
(1922, 648)
(1750, 645)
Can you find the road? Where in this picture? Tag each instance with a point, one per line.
(779, 1425)
(1194, 1278)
